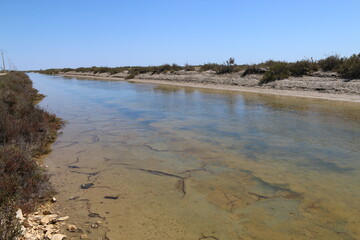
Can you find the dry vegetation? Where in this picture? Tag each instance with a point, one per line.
(25, 133)
(347, 67)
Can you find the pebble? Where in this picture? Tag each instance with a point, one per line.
(49, 219)
(63, 219)
(84, 236)
(58, 237)
(71, 228)
(19, 215)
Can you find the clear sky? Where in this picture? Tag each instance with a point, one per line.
(43, 34)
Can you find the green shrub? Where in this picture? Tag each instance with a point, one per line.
(330, 63)
(303, 67)
(209, 66)
(277, 71)
(253, 70)
(188, 67)
(350, 68)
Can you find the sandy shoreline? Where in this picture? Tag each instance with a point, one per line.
(259, 90)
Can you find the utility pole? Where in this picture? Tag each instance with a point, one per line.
(9, 64)
(2, 54)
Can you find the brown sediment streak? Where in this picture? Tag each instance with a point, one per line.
(90, 130)
(229, 201)
(159, 173)
(180, 185)
(95, 139)
(208, 237)
(85, 173)
(118, 163)
(259, 196)
(77, 160)
(160, 150)
(202, 169)
(69, 145)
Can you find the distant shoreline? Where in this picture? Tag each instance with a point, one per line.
(168, 80)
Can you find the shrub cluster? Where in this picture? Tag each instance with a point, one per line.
(331, 63)
(271, 70)
(25, 132)
(350, 67)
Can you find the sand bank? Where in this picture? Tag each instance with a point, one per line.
(325, 86)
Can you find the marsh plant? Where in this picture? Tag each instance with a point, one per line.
(25, 133)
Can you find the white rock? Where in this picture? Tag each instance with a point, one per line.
(48, 235)
(48, 218)
(53, 200)
(63, 218)
(28, 236)
(58, 237)
(19, 215)
(36, 218)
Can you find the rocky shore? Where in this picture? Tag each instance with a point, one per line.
(46, 224)
(319, 82)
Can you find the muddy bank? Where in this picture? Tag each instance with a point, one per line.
(317, 85)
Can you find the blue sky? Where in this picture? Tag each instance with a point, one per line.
(47, 34)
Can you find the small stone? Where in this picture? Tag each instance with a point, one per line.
(99, 222)
(86, 185)
(47, 212)
(53, 200)
(49, 229)
(63, 218)
(94, 225)
(58, 237)
(35, 218)
(26, 223)
(73, 198)
(83, 236)
(19, 215)
(28, 236)
(48, 219)
(71, 228)
(48, 235)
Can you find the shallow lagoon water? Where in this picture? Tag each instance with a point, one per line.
(185, 163)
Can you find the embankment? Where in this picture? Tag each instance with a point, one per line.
(322, 85)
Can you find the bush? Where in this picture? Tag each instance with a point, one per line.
(188, 67)
(209, 66)
(277, 71)
(223, 69)
(21, 179)
(350, 68)
(253, 70)
(10, 227)
(25, 132)
(301, 68)
(330, 63)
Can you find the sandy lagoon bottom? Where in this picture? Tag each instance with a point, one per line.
(161, 162)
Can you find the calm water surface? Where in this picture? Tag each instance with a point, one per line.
(164, 162)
